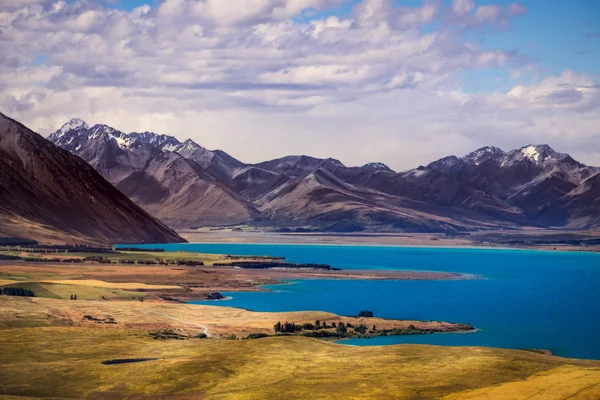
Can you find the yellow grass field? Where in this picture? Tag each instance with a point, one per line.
(102, 284)
(567, 382)
(67, 363)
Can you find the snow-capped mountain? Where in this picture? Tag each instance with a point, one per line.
(377, 166)
(447, 164)
(188, 185)
(73, 125)
(76, 133)
(540, 155)
(164, 142)
(483, 154)
(183, 184)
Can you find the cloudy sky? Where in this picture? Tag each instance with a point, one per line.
(402, 82)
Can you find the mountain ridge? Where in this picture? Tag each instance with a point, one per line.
(48, 194)
(484, 189)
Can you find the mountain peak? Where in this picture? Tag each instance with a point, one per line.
(377, 166)
(537, 153)
(482, 154)
(162, 141)
(446, 164)
(73, 124)
(188, 145)
(335, 162)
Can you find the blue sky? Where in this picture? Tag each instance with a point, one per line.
(397, 81)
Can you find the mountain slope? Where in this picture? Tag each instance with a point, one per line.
(183, 195)
(578, 209)
(485, 189)
(50, 195)
(182, 184)
(322, 201)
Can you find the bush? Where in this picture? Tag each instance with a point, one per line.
(202, 336)
(366, 314)
(190, 263)
(12, 291)
(257, 336)
(360, 329)
(286, 327)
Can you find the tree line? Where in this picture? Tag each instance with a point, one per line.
(12, 291)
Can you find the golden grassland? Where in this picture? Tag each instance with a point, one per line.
(102, 284)
(188, 318)
(566, 382)
(67, 363)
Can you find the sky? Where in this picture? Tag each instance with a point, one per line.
(400, 82)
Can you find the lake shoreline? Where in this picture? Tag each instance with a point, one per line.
(486, 241)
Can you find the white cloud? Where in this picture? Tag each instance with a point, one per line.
(488, 13)
(517, 9)
(462, 7)
(248, 79)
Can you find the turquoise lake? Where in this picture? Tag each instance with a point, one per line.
(524, 299)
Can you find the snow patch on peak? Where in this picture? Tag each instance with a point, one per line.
(377, 166)
(73, 124)
(537, 153)
(446, 164)
(122, 142)
(188, 145)
(483, 154)
(169, 147)
(531, 153)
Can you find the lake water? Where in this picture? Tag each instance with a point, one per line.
(525, 299)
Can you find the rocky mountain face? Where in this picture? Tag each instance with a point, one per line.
(186, 185)
(49, 195)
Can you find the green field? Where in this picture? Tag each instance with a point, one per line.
(120, 255)
(67, 363)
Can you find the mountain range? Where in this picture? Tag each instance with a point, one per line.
(186, 185)
(49, 195)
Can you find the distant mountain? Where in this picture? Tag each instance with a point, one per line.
(187, 185)
(51, 196)
(181, 183)
(294, 166)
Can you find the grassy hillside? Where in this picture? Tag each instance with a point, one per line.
(67, 363)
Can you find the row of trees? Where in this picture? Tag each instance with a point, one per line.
(11, 291)
(287, 327)
(101, 260)
(340, 327)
